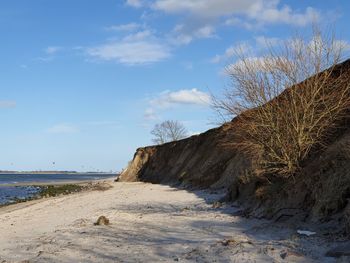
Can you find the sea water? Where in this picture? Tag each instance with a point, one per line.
(9, 194)
(9, 191)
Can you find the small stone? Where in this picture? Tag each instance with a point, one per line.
(283, 254)
(102, 220)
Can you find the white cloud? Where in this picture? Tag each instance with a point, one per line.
(186, 96)
(52, 50)
(261, 15)
(124, 27)
(134, 3)
(169, 99)
(63, 129)
(285, 15)
(134, 49)
(6, 104)
(202, 17)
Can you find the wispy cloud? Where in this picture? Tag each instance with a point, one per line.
(63, 128)
(6, 104)
(49, 54)
(44, 59)
(101, 123)
(134, 49)
(53, 50)
(124, 27)
(134, 3)
(130, 53)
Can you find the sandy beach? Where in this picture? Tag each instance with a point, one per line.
(148, 223)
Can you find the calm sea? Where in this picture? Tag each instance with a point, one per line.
(9, 193)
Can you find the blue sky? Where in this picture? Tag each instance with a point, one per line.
(83, 82)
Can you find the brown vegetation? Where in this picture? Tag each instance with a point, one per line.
(286, 107)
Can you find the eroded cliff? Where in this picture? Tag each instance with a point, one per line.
(321, 191)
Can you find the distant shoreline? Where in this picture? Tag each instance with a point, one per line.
(56, 172)
(56, 183)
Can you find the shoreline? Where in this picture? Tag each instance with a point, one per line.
(53, 172)
(82, 186)
(55, 182)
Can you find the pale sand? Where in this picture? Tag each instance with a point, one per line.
(149, 223)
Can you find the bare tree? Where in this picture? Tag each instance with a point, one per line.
(168, 131)
(288, 102)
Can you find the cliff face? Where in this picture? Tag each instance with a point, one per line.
(200, 160)
(320, 192)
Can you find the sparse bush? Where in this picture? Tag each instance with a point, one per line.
(286, 108)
